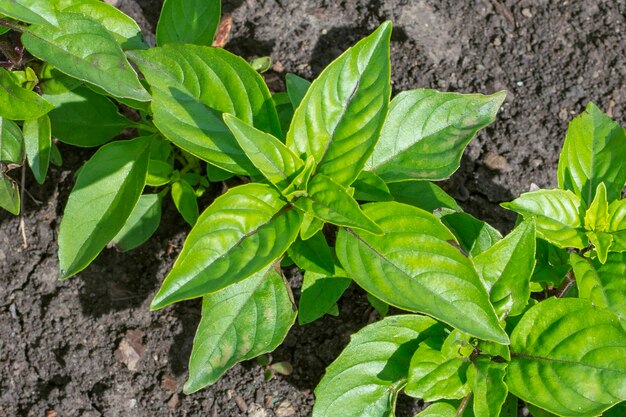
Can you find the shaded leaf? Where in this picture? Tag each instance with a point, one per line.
(11, 142)
(438, 409)
(617, 225)
(313, 254)
(413, 266)
(37, 143)
(427, 131)
(141, 224)
(320, 292)
(296, 89)
(9, 195)
(188, 21)
(105, 194)
(239, 322)
(370, 187)
(422, 194)
(474, 236)
(185, 201)
(18, 103)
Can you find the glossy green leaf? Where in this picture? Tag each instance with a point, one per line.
(242, 232)
(601, 242)
(438, 409)
(31, 11)
(340, 117)
(159, 173)
(278, 164)
(11, 142)
(123, 28)
(240, 322)
(296, 89)
(310, 226)
(141, 224)
(414, 267)
(300, 183)
(494, 349)
(366, 378)
(370, 187)
(216, 174)
(594, 151)
(617, 225)
(434, 376)
(597, 215)
(284, 109)
(506, 268)
(53, 81)
(422, 194)
(37, 143)
(568, 357)
(426, 133)
(192, 86)
(552, 264)
(330, 202)
(474, 236)
(319, 293)
(83, 118)
(9, 195)
(486, 379)
(188, 21)
(557, 215)
(83, 48)
(381, 307)
(105, 194)
(185, 201)
(603, 285)
(313, 254)
(18, 103)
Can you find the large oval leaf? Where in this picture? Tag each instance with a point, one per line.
(413, 267)
(188, 21)
(569, 358)
(341, 115)
(106, 192)
(31, 11)
(83, 48)
(365, 379)
(192, 86)
(83, 118)
(426, 132)
(123, 28)
(557, 214)
(18, 103)
(240, 322)
(594, 151)
(242, 232)
(37, 143)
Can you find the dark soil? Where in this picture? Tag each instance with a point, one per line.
(60, 341)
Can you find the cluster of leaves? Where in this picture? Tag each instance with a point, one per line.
(336, 180)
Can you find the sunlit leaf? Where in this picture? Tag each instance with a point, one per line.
(141, 224)
(18, 103)
(188, 21)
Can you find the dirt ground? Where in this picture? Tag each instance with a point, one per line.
(90, 347)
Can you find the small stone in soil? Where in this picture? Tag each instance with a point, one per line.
(241, 404)
(173, 402)
(256, 410)
(285, 409)
(169, 383)
(495, 162)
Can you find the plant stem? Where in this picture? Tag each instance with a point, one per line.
(12, 26)
(464, 403)
(567, 285)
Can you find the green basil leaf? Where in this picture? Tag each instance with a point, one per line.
(83, 48)
(52, 81)
(284, 109)
(55, 155)
(601, 242)
(434, 376)
(594, 151)
(506, 268)
(413, 267)
(494, 349)
(567, 357)
(474, 236)
(617, 225)
(486, 379)
(603, 284)
(618, 411)
(188, 21)
(366, 378)
(552, 264)
(9, 195)
(422, 194)
(439, 409)
(510, 407)
(31, 11)
(320, 292)
(141, 224)
(18, 103)
(597, 215)
(313, 254)
(381, 307)
(296, 89)
(105, 194)
(278, 164)
(340, 117)
(11, 142)
(37, 142)
(123, 28)
(370, 187)
(242, 232)
(83, 118)
(310, 226)
(185, 201)
(557, 215)
(330, 202)
(192, 86)
(239, 322)
(426, 133)
(159, 173)
(216, 174)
